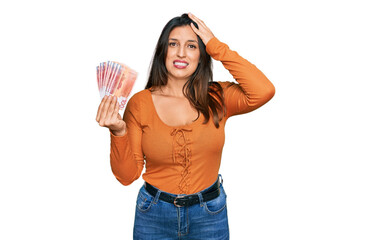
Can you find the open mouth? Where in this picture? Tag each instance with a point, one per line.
(180, 64)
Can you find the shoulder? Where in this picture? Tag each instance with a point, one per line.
(226, 84)
(223, 85)
(139, 96)
(138, 99)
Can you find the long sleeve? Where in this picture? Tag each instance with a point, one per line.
(126, 151)
(253, 89)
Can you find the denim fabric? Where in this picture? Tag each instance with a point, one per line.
(157, 219)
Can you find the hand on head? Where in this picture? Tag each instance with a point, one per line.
(203, 31)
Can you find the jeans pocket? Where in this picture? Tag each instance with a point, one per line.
(144, 200)
(216, 205)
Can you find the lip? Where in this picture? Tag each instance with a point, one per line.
(180, 66)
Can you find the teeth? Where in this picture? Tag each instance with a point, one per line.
(180, 64)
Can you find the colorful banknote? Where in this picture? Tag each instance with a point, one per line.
(115, 79)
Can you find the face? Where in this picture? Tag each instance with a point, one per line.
(183, 53)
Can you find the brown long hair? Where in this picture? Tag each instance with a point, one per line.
(203, 94)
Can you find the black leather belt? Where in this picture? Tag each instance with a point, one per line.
(186, 200)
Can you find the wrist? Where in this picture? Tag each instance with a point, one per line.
(118, 133)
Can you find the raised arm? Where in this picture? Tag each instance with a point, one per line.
(253, 89)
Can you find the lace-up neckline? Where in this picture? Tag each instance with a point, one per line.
(181, 147)
(182, 155)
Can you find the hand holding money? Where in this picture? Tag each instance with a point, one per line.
(115, 79)
(115, 82)
(108, 116)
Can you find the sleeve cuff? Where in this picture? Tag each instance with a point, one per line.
(114, 136)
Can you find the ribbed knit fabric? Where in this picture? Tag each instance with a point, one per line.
(185, 159)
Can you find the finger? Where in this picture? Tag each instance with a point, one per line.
(118, 115)
(195, 29)
(193, 17)
(200, 22)
(100, 108)
(197, 20)
(115, 109)
(103, 116)
(111, 108)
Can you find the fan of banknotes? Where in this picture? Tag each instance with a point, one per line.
(115, 79)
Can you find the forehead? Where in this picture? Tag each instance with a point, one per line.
(183, 33)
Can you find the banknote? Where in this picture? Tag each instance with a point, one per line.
(116, 79)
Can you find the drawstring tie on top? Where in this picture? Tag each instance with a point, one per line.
(182, 155)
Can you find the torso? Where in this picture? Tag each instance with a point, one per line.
(174, 111)
(185, 153)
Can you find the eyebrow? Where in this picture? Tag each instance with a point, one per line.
(174, 39)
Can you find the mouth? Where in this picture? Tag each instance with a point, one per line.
(180, 64)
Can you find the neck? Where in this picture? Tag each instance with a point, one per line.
(174, 88)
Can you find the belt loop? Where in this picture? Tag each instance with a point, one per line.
(201, 199)
(221, 182)
(157, 196)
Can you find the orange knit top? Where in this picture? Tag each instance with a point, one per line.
(185, 159)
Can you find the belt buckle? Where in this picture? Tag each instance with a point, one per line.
(176, 205)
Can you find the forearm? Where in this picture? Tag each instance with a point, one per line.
(255, 85)
(123, 163)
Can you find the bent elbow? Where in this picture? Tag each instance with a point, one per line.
(271, 91)
(124, 177)
(264, 97)
(125, 183)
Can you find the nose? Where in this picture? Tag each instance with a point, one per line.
(181, 52)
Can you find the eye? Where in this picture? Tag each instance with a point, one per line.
(172, 44)
(192, 46)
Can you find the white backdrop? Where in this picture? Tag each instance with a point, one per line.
(297, 168)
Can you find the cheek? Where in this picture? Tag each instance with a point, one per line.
(196, 61)
(196, 57)
(170, 55)
(168, 60)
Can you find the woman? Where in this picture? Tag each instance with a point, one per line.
(176, 128)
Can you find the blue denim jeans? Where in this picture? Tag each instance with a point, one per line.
(157, 219)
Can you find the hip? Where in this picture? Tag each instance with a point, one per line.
(156, 218)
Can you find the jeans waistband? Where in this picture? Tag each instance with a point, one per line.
(205, 195)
